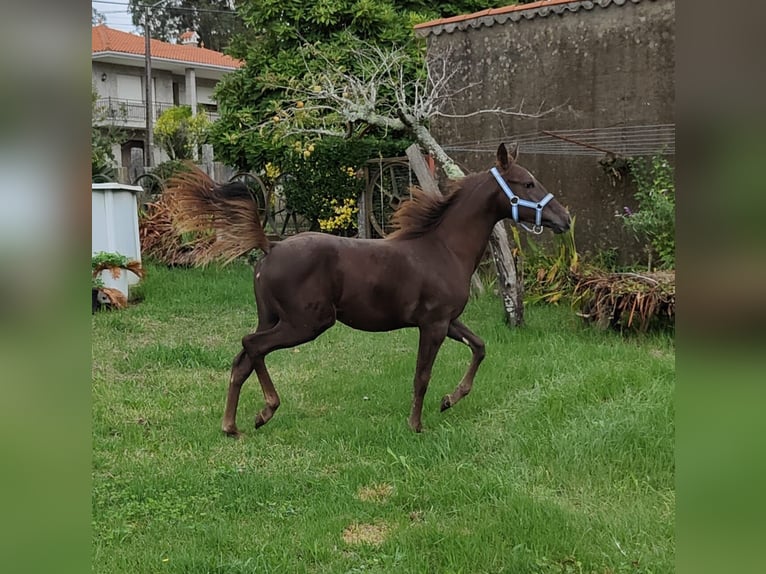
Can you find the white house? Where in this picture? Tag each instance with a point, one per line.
(182, 73)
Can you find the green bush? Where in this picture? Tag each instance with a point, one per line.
(103, 135)
(655, 219)
(180, 133)
(319, 177)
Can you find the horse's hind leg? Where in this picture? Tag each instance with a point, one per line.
(269, 394)
(282, 336)
(463, 334)
(240, 371)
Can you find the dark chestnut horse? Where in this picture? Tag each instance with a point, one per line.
(417, 277)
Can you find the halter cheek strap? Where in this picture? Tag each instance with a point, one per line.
(516, 201)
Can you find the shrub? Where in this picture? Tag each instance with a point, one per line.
(180, 133)
(322, 180)
(103, 135)
(548, 277)
(655, 219)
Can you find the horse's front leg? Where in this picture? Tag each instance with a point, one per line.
(463, 334)
(431, 338)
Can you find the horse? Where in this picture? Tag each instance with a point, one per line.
(417, 277)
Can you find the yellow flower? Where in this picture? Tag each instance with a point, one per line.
(272, 171)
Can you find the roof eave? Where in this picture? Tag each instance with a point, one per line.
(140, 57)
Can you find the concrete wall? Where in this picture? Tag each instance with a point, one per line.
(609, 65)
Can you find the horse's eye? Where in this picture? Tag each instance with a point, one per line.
(529, 184)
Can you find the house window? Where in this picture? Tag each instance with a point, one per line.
(129, 87)
(205, 95)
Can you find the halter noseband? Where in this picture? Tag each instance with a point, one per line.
(537, 229)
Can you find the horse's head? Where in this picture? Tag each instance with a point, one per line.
(525, 197)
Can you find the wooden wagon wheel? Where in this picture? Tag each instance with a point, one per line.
(389, 185)
(261, 194)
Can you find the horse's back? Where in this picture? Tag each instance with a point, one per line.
(369, 283)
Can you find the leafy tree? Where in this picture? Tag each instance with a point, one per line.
(103, 135)
(180, 133)
(282, 30)
(216, 21)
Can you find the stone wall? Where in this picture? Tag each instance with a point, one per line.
(603, 63)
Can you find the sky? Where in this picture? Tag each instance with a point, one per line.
(117, 15)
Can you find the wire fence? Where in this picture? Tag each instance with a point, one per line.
(627, 141)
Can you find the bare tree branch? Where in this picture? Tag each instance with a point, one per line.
(381, 91)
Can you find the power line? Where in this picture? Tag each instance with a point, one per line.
(174, 8)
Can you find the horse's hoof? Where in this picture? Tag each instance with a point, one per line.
(259, 421)
(446, 403)
(232, 432)
(415, 427)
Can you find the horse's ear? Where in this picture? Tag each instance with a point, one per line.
(502, 157)
(514, 153)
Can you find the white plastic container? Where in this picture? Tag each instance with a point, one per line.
(114, 227)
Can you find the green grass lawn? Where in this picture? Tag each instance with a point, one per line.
(559, 461)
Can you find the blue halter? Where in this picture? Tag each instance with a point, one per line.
(537, 229)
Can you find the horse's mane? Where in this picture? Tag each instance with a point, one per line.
(423, 212)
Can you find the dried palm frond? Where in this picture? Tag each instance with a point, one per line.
(132, 266)
(160, 240)
(626, 301)
(108, 297)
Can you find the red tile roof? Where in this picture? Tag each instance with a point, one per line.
(107, 39)
(492, 12)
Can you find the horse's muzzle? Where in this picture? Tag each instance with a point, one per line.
(562, 227)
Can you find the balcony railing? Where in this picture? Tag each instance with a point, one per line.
(131, 113)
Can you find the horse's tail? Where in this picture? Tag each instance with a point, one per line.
(198, 203)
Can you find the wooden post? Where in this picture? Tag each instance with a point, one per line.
(419, 167)
(509, 285)
(136, 167)
(207, 160)
(361, 202)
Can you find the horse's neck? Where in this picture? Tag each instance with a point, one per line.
(466, 228)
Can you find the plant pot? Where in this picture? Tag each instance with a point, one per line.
(120, 282)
